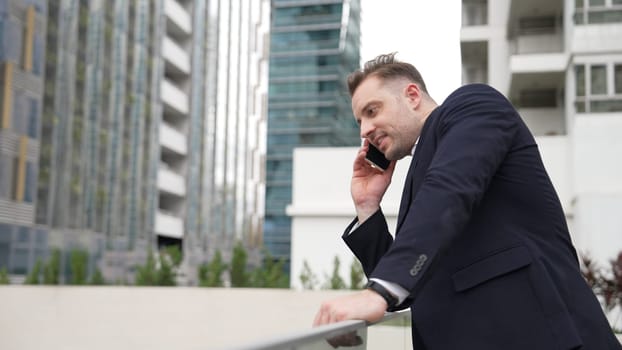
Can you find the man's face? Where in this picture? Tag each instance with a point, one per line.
(387, 116)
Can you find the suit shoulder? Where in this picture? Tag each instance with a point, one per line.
(481, 92)
(477, 99)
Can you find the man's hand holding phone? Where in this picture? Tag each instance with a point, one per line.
(369, 183)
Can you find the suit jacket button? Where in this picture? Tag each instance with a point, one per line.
(418, 265)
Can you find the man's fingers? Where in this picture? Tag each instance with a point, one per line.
(320, 319)
(323, 316)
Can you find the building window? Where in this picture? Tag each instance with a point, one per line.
(38, 55)
(16, 179)
(6, 176)
(605, 106)
(33, 117)
(598, 80)
(598, 88)
(6, 233)
(30, 185)
(580, 78)
(10, 40)
(597, 11)
(19, 120)
(19, 261)
(2, 40)
(474, 12)
(618, 78)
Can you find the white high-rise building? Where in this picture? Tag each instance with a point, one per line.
(560, 63)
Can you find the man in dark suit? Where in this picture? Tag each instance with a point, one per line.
(481, 252)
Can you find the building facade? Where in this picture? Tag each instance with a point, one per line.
(313, 46)
(128, 154)
(22, 75)
(560, 64)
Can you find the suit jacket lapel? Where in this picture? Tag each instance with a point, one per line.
(407, 193)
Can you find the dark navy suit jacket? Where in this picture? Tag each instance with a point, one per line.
(481, 242)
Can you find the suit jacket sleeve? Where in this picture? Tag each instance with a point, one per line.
(369, 241)
(474, 131)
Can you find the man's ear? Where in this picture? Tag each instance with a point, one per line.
(413, 93)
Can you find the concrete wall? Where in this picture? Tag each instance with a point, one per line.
(584, 171)
(322, 208)
(132, 318)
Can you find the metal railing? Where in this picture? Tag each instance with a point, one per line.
(352, 334)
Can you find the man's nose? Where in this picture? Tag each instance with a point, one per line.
(366, 129)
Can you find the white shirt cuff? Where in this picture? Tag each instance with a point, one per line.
(358, 223)
(398, 291)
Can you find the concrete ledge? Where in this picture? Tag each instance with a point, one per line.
(36, 317)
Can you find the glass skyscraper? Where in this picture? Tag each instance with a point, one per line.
(314, 45)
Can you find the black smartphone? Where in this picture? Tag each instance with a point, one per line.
(377, 158)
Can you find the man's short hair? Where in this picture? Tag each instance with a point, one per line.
(386, 67)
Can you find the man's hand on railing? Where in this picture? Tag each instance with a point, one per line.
(365, 305)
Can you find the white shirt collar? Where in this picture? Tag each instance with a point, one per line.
(412, 152)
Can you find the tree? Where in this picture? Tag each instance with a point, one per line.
(4, 276)
(307, 277)
(239, 276)
(34, 274)
(160, 273)
(79, 260)
(97, 279)
(335, 281)
(210, 275)
(270, 274)
(51, 270)
(605, 284)
(146, 275)
(170, 259)
(356, 275)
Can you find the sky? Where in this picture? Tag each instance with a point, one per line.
(425, 33)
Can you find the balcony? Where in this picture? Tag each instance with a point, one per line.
(474, 13)
(178, 21)
(171, 182)
(474, 62)
(539, 98)
(539, 63)
(544, 121)
(169, 225)
(176, 59)
(175, 100)
(534, 9)
(537, 44)
(172, 139)
(474, 21)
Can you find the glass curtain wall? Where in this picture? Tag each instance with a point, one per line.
(314, 45)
